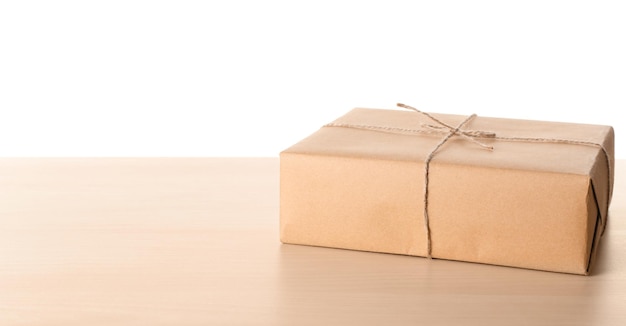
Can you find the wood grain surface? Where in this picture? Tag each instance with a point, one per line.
(194, 241)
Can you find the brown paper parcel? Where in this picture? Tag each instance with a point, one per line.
(358, 183)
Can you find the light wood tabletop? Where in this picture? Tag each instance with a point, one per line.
(194, 241)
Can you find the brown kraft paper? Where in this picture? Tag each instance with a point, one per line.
(538, 200)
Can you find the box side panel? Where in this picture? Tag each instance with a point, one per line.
(525, 219)
(352, 203)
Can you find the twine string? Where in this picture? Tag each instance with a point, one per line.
(442, 128)
(451, 132)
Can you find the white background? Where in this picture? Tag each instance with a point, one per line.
(250, 78)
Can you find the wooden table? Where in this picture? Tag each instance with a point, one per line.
(176, 241)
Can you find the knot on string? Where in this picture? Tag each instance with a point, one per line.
(465, 132)
(444, 128)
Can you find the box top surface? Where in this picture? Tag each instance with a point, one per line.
(401, 135)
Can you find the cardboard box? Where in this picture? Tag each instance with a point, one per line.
(539, 199)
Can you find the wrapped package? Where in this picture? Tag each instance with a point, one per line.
(529, 194)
